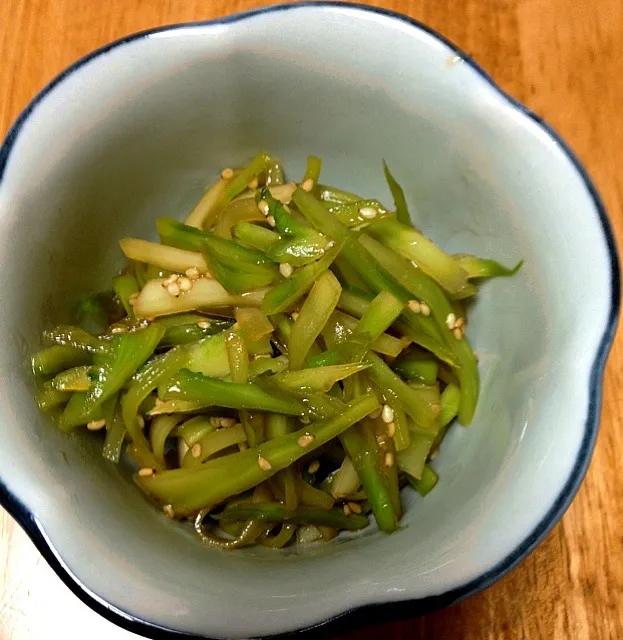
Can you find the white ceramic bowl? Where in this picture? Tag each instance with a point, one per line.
(135, 130)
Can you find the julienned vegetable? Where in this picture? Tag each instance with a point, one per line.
(279, 364)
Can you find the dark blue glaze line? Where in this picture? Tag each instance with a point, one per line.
(369, 614)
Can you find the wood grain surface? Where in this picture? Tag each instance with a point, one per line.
(564, 59)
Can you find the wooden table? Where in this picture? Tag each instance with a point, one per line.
(563, 58)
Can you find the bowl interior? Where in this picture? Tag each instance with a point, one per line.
(99, 159)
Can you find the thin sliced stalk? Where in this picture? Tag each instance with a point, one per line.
(331, 194)
(320, 378)
(400, 202)
(238, 358)
(402, 437)
(380, 314)
(75, 379)
(193, 430)
(346, 481)
(213, 443)
(52, 360)
(48, 398)
(159, 430)
(171, 258)
(476, 267)
(125, 286)
(239, 211)
(349, 214)
(349, 276)
(274, 173)
(253, 323)
(67, 335)
(190, 489)
(115, 431)
(426, 483)
(314, 314)
(417, 364)
(255, 236)
(312, 169)
(281, 539)
(312, 497)
(203, 209)
(376, 432)
(413, 459)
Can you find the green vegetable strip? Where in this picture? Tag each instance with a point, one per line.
(189, 331)
(380, 315)
(483, 267)
(424, 288)
(310, 496)
(376, 434)
(320, 378)
(402, 437)
(366, 463)
(426, 483)
(413, 459)
(213, 443)
(193, 430)
(240, 211)
(276, 512)
(190, 489)
(312, 169)
(194, 386)
(76, 379)
(126, 286)
(254, 236)
(417, 364)
(253, 324)
(450, 400)
(49, 398)
(412, 402)
(349, 214)
(238, 358)
(115, 430)
(160, 429)
(402, 211)
(331, 194)
(75, 337)
(78, 412)
(314, 314)
(274, 173)
(349, 276)
(345, 482)
(287, 293)
(206, 205)
(55, 359)
(154, 373)
(412, 245)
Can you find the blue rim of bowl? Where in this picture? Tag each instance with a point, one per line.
(371, 613)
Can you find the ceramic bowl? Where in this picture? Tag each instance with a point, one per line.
(136, 130)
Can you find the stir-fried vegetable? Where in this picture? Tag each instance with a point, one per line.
(277, 366)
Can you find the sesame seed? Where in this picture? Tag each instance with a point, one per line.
(173, 289)
(262, 205)
(434, 454)
(354, 507)
(196, 450)
(458, 334)
(192, 273)
(132, 299)
(204, 324)
(436, 409)
(346, 510)
(387, 414)
(368, 212)
(170, 279)
(376, 413)
(285, 269)
(389, 459)
(330, 244)
(228, 422)
(264, 464)
(185, 284)
(227, 174)
(294, 315)
(415, 306)
(308, 184)
(424, 309)
(215, 422)
(168, 511)
(450, 321)
(145, 472)
(119, 330)
(460, 323)
(313, 467)
(253, 184)
(271, 220)
(391, 429)
(96, 425)
(306, 440)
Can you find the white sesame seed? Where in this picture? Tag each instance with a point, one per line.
(228, 422)
(389, 459)
(192, 273)
(391, 429)
(196, 450)
(271, 220)
(253, 184)
(170, 279)
(96, 425)
(173, 289)
(306, 440)
(132, 299)
(387, 414)
(203, 324)
(119, 330)
(415, 306)
(264, 464)
(424, 309)
(450, 321)
(436, 409)
(294, 315)
(330, 244)
(185, 284)
(346, 509)
(308, 184)
(368, 212)
(168, 511)
(262, 205)
(145, 472)
(458, 334)
(460, 323)
(313, 467)
(376, 413)
(285, 269)
(354, 507)
(227, 174)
